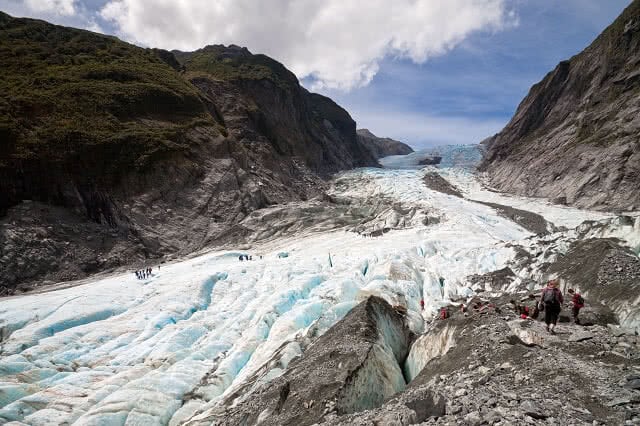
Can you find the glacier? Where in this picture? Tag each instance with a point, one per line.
(118, 350)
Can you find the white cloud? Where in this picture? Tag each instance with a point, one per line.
(58, 7)
(94, 26)
(337, 43)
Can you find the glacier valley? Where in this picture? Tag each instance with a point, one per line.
(165, 350)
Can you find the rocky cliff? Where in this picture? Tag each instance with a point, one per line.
(354, 366)
(111, 154)
(382, 147)
(574, 138)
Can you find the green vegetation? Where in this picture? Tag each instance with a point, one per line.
(235, 63)
(71, 95)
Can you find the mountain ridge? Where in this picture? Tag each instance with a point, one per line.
(114, 155)
(382, 147)
(573, 138)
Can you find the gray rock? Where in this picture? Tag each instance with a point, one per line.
(619, 401)
(455, 409)
(533, 410)
(460, 392)
(618, 331)
(633, 384)
(511, 396)
(580, 336)
(473, 419)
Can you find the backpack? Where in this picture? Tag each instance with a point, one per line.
(444, 313)
(536, 312)
(549, 295)
(580, 300)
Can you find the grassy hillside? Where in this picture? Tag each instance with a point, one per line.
(80, 99)
(236, 63)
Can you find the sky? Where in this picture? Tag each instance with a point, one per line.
(426, 72)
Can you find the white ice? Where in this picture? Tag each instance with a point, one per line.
(124, 351)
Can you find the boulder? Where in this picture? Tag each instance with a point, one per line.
(533, 409)
(580, 336)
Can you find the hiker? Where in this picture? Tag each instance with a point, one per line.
(137, 276)
(535, 312)
(523, 311)
(241, 258)
(422, 304)
(551, 302)
(444, 313)
(577, 302)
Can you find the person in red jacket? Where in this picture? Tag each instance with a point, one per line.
(577, 302)
(552, 301)
(444, 313)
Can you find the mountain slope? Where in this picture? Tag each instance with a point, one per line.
(575, 136)
(382, 147)
(111, 154)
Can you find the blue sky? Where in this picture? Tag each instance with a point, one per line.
(472, 91)
(427, 72)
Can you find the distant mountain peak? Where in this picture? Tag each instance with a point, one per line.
(366, 132)
(382, 147)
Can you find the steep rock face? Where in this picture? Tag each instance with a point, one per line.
(276, 110)
(354, 366)
(382, 147)
(128, 154)
(574, 138)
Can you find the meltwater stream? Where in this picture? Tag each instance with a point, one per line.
(119, 350)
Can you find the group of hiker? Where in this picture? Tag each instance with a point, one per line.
(247, 257)
(550, 302)
(143, 273)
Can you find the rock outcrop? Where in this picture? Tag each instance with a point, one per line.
(431, 161)
(606, 273)
(574, 138)
(382, 147)
(504, 370)
(356, 365)
(116, 154)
